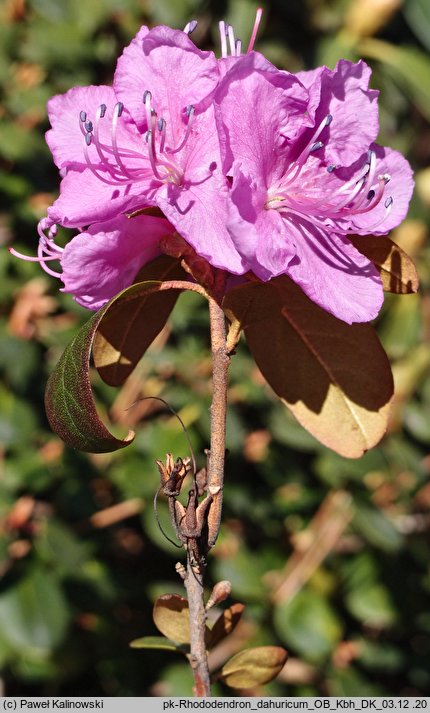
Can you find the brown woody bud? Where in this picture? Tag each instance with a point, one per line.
(220, 592)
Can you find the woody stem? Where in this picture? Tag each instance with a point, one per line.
(215, 479)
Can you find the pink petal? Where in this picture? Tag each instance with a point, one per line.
(198, 213)
(334, 274)
(259, 109)
(65, 139)
(344, 94)
(168, 64)
(105, 259)
(84, 199)
(259, 235)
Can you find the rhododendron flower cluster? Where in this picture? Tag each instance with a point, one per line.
(259, 170)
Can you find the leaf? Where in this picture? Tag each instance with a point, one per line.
(131, 323)
(69, 398)
(155, 642)
(397, 270)
(408, 66)
(171, 617)
(34, 614)
(253, 667)
(372, 605)
(225, 624)
(334, 377)
(307, 623)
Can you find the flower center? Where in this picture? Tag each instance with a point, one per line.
(360, 194)
(117, 165)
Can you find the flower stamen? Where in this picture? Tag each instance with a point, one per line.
(258, 16)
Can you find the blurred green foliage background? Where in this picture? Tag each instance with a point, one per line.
(331, 556)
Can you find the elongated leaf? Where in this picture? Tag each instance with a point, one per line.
(408, 66)
(69, 399)
(253, 667)
(397, 270)
(156, 642)
(335, 377)
(131, 323)
(225, 624)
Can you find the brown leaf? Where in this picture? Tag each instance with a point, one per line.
(131, 325)
(253, 667)
(397, 270)
(171, 617)
(334, 377)
(225, 624)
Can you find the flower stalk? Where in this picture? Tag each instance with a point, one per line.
(198, 548)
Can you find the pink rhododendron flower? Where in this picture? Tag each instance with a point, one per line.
(149, 140)
(258, 170)
(305, 173)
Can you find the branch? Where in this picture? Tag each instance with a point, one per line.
(215, 478)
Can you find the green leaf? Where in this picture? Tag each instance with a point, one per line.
(398, 272)
(334, 377)
(408, 66)
(253, 667)
(156, 642)
(377, 528)
(308, 624)
(171, 617)
(131, 323)
(69, 399)
(372, 605)
(34, 615)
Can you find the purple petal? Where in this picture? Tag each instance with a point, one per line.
(344, 94)
(259, 109)
(65, 139)
(198, 213)
(84, 199)
(168, 64)
(105, 259)
(259, 235)
(334, 274)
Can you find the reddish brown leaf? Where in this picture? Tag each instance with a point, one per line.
(225, 624)
(334, 377)
(397, 270)
(132, 322)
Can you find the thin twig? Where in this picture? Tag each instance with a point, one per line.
(193, 583)
(220, 364)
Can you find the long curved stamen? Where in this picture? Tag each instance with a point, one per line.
(29, 258)
(258, 16)
(151, 154)
(47, 250)
(113, 180)
(116, 115)
(351, 183)
(313, 144)
(190, 115)
(42, 260)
